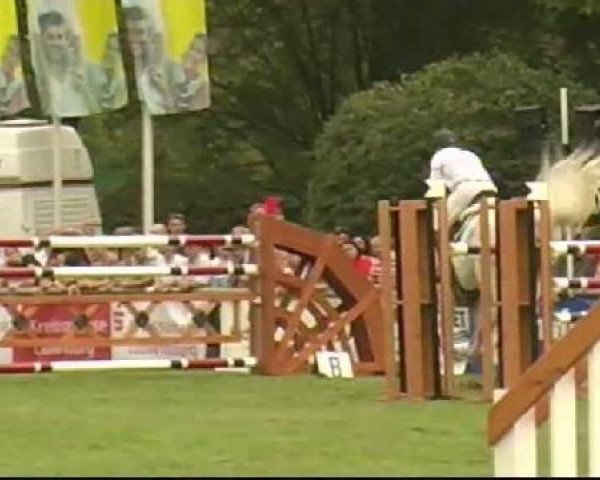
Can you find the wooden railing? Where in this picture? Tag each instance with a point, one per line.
(512, 420)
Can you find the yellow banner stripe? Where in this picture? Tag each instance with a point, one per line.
(8, 22)
(183, 19)
(98, 19)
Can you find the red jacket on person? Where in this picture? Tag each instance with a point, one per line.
(364, 265)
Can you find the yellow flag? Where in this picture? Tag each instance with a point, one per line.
(76, 56)
(168, 40)
(13, 93)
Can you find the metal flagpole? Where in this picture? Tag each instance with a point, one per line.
(57, 171)
(564, 140)
(147, 170)
(564, 121)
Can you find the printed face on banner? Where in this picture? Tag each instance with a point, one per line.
(13, 93)
(167, 39)
(76, 56)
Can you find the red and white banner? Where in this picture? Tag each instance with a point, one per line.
(115, 320)
(55, 321)
(169, 318)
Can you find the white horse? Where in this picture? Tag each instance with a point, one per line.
(573, 184)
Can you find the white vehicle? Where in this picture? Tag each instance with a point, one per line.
(26, 173)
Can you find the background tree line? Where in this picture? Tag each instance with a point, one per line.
(331, 104)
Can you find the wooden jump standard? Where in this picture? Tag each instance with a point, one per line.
(417, 294)
(325, 287)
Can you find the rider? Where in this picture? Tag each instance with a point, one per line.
(461, 170)
(466, 178)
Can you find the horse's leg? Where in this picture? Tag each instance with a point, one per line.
(474, 363)
(568, 235)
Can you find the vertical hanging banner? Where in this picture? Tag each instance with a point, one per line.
(13, 93)
(76, 56)
(168, 41)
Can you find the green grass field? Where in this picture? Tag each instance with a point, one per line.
(198, 424)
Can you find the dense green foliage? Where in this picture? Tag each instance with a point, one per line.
(379, 143)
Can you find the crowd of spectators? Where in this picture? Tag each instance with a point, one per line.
(171, 256)
(364, 253)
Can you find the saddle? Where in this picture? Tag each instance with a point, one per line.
(457, 227)
(472, 209)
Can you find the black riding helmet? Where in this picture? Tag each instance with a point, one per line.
(444, 138)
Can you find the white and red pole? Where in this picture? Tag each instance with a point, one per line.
(128, 241)
(125, 271)
(145, 364)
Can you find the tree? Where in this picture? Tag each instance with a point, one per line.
(586, 7)
(378, 144)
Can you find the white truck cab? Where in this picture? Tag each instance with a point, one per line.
(26, 173)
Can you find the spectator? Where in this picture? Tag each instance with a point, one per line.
(342, 235)
(257, 208)
(153, 255)
(272, 207)
(169, 256)
(91, 227)
(97, 256)
(112, 257)
(241, 255)
(376, 271)
(56, 258)
(362, 263)
(158, 229)
(176, 224)
(125, 230)
(240, 230)
(127, 257)
(224, 256)
(362, 245)
(12, 257)
(76, 258)
(375, 246)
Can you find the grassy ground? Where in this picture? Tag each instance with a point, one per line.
(194, 424)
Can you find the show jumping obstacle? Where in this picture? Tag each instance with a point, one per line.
(417, 296)
(324, 304)
(534, 373)
(417, 292)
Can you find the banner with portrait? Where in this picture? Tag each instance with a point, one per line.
(168, 42)
(76, 56)
(13, 92)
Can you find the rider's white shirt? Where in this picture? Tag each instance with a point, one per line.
(455, 165)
